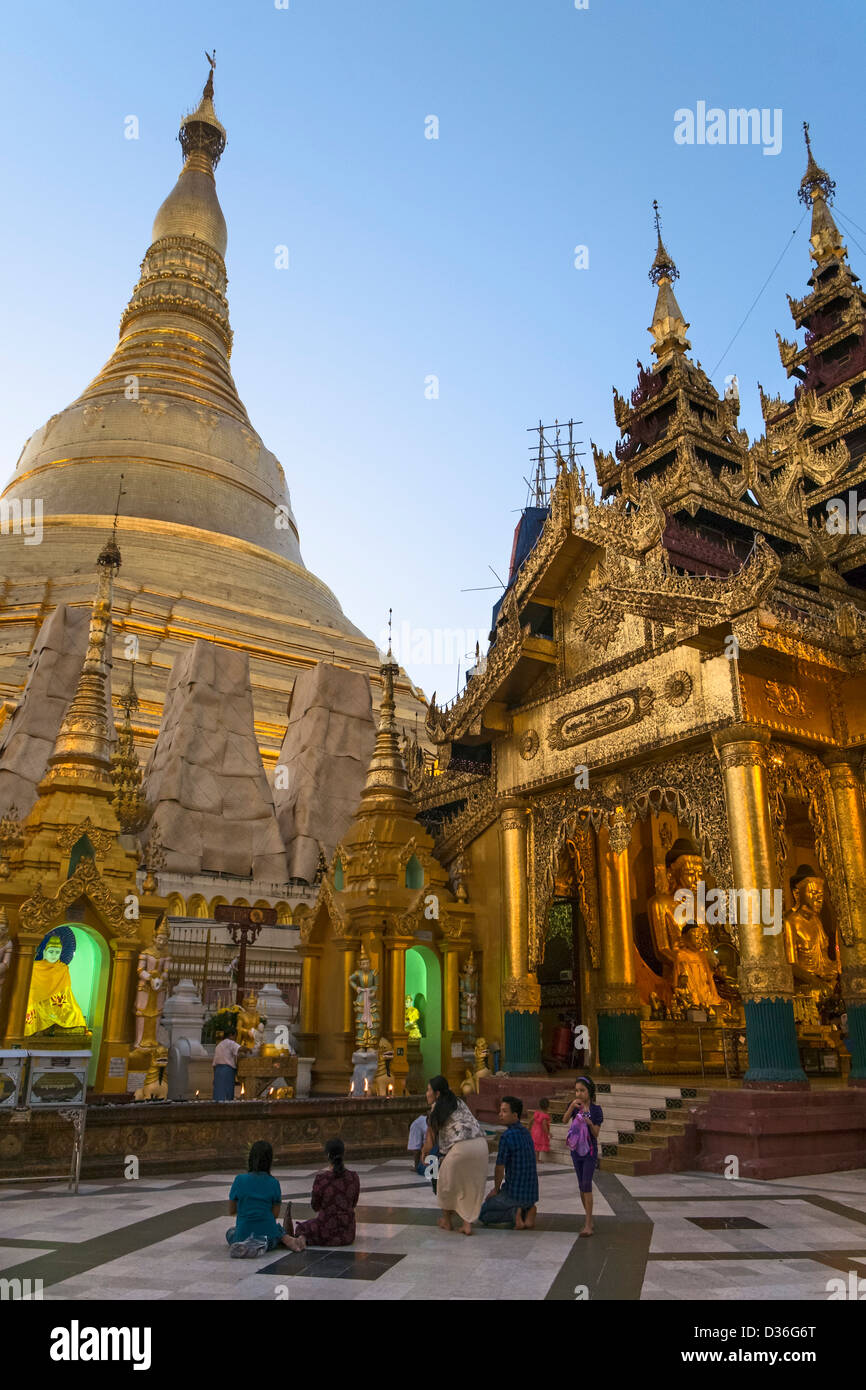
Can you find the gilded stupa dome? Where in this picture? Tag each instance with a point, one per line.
(210, 542)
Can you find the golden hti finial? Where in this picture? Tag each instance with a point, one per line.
(83, 744)
(668, 327)
(663, 267)
(816, 191)
(816, 182)
(201, 133)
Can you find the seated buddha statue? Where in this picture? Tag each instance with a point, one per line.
(51, 1003)
(412, 1017)
(684, 870)
(695, 963)
(248, 1020)
(807, 947)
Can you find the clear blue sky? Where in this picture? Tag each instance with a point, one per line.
(410, 256)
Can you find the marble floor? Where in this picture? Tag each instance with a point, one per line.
(675, 1237)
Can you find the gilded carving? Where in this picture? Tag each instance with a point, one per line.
(787, 699)
(765, 980)
(521, 995)
(528, 745)
(677, 688)
(40, 912)
(604, 717)
(69, 835)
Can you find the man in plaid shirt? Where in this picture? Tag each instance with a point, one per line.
(514, 1198)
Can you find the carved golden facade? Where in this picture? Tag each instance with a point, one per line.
(700, 672)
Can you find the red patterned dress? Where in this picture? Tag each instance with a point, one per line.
(334, 1198)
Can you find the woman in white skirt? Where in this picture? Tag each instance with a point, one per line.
(463, 1155)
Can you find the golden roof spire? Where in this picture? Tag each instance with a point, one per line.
(668, 326)
(192, 208)
(83, 745)
(129, 802)
(387, 786)
(816, 191)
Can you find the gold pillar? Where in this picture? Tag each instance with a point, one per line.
(22, 968)
(618, 970)
(451, 984)
(512, 836)
(349, 949)
(521, 994)
(309, 1003)
(396, 948)
(620, 1047)
(452, 1067)
(118, 1015)
(846, 791)
(764, 968)
(766, 980)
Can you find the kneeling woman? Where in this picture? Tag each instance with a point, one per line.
(463, 1155)
(335, 1195)
(255, 1201)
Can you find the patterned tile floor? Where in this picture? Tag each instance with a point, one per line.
(164, 1239)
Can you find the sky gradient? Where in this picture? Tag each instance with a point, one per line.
(412, 257)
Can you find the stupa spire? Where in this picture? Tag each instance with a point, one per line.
(387, 786)
(83, 745)
(668, 327)
(816, 191)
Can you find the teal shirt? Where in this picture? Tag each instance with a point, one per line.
(255, 1194)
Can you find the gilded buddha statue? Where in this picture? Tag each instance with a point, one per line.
(695, 964)
(52, 1003)
(807, 946)
(248, 1021)
(684, 871)
(412, 1017)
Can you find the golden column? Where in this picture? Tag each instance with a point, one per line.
(848, 802)
(308, 1033)
(396, 948)
(618, 1002)
(26, 944)
(349, 947)
(118, 1017)
(521, 992)
(452, 1067)
(766, 981)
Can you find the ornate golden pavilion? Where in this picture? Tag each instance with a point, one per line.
(672, 704)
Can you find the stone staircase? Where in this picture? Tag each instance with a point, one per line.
(646, 1129)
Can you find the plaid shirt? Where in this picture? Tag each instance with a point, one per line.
(517, 1156)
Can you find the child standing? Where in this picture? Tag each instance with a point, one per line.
(586, 1120)
(540, 1129)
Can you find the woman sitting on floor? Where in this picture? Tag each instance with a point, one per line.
(335, 1196)
(255, 1201)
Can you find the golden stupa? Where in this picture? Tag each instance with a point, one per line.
(210, 543)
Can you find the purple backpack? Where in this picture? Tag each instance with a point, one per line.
(578, 1137)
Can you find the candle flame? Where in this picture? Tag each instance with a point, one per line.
(366, 1084)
